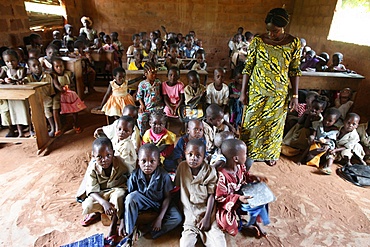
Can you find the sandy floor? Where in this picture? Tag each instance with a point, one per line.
(38, 206)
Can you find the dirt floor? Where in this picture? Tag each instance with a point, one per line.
(38, 206)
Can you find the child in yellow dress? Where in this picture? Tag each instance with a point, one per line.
(116, 97)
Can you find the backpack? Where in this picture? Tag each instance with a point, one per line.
(356, 174)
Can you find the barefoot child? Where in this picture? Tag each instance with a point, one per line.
(149, 188)
(173, 92)
(197, 183)
(105, 185)
(117, 96)
(231, 177)
(364, 133)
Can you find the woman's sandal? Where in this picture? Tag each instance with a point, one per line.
(90, 219)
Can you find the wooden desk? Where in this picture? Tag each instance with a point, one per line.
(104, 56)
(75, 65)
(162, 75)
(329, 80)
(32, 92)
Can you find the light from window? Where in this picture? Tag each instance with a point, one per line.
(350, 21)
(42, 16)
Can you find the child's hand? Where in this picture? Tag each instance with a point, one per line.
(96, 133)
(8, 80)
(244, 199)
(157, 224)
(204, 224)
(108, 208)
(142, 109)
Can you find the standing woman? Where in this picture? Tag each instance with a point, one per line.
(272, 62)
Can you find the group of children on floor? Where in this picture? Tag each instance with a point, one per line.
(310, 61)
(58, 96)
(130, 173)
(322, 134)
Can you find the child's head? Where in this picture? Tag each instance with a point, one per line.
(331, 116)
(119, 74)
(193, 79)
(102, 152)
(310, 55)
(51, 51)
(351, 122)
(325, 58)
(345, 95)
(240, 30)
(221, 137)
(237, 38)
(174, 51)
(80, 46)
(238, 76)
(189, 40)
(148, 158)
(34, 53)
(11, 58)
(158, 43)
(136, 39)
(114, 36)
(200, 55)
(218, 76)
(303, 42)
(58, 65)
(138, 55)
(318, 105)
(125, 127)
(214, 115)
(35, 39)
(107, 39)
(86, 21)
(147, 45)
(150, 71)
(337, 58)
(157, 121)
(173, 75)
(56, 34)
(20, 53)
(101, 36)
(310, 96)
(35, 66)
(194, 153)
(130, 110)
(142, 36)
(235, 151)
(248, 36)
(195, 129)
(97, 43)
(68, 28)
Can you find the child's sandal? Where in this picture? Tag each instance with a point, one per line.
(78, 130)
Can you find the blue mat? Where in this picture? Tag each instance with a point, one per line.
(96, 240)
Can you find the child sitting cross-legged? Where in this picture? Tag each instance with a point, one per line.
(149, 188)
(231, 177)
(218, 92)
(104, 185)
(197, 182)
(173, 92)
(161, 137)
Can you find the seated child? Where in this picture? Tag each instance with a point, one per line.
(218, 91)
(104, 185)
(149, 188)
(364, 133)
(117, 45)
(46, 61)
(69, 34)
(217, 159)
(322, 141)
(110, 130)
(136, 45)
(137, 63)
(197, 183)
(47, 91)
(344, 103)
(310, 61)
(231, 177)
(194, 89)
(172, 59)
(117, 96)
(200, 63)
(173, 92)
(161, 137)
(194, 131)
(147, 48)
(149, 95)
(235, 106)
(348, 145)
(189, 49)
(322, 64)
(337, 65)
(159, 48)
(109, 46)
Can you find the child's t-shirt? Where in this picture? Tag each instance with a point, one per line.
(132, 66)
(218, 97)
(126, 150)
(190, 93)
(173, 92)
(166, 137)
(150, 94)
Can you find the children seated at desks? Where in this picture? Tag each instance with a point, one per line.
(159, 48)
(161, 137)
(322, 64)
(46, 61)
(235, 106)
(149, 188)
(231, 177)
(197, 183)
(137, 63)
(189, 49)
(194, 131)
(363, 131)
(310, 61)
(104, 186)
(65, 100)
(22, 62)
(117, 96)
(194, 89)
(149, 95)
(108, 46)
(57, 41)
(37, 75)
(200, 63)
(173, 92)
(337, 65)
(110, 130)
(217, 159)
(69, 34)
(218, 91)
(118, 46)
(172, 59)
(322, 141)
(147, 48)
(344, 103)
(136, 45)
(14, 112)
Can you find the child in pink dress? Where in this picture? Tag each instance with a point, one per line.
(65, 101)
(173, 92)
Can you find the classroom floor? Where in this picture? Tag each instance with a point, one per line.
(38, 206)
